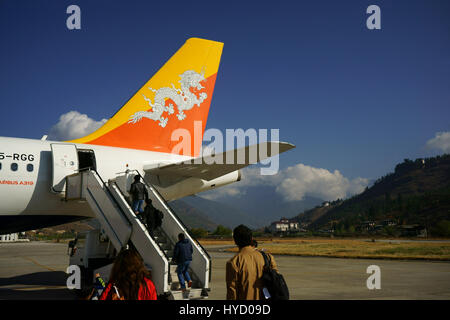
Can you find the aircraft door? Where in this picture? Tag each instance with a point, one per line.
(65, 162)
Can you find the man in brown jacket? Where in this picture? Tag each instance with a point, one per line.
(245, 269)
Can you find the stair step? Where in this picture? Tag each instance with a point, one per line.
(189, 294)
(113, 217)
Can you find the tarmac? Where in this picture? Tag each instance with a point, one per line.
(36, 271)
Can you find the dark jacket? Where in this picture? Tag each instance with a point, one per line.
(153, 216)
(138, 191)
(183, 251)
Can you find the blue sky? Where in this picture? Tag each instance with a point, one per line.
(351, 99)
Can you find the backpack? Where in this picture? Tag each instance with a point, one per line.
(158, 218)
(273, 281)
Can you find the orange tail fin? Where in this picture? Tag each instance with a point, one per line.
(178, 96)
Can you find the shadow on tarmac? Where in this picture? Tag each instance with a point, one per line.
(47, 278)
(36, 286)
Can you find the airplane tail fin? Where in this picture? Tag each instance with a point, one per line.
(178, 96)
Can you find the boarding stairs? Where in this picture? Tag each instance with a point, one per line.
(109, 201)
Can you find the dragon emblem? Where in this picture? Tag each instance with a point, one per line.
(183, 98)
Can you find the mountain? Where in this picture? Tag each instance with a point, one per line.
(308, 217)
(257, 206)
(417, 192)
(192, 216)
(265, 205)
(221, 213)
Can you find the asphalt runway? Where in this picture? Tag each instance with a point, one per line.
(317, 278)
(36, 270)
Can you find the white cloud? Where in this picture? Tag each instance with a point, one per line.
(294, 183)
(300, 181)
(441, 141)
(74, 125)
(223, 192)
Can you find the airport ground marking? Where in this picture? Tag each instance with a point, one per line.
(38, 264)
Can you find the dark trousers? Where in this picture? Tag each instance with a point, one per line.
(182, 272)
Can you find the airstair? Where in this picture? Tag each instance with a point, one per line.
(110, 203)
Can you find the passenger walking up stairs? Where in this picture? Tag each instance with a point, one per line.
(120, 224)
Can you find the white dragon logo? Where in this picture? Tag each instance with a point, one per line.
(183, 98)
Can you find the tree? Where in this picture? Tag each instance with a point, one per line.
(443, 228)
(351, 229)
(390, 230)
(400, 201)
(199, 232)
(222, 231)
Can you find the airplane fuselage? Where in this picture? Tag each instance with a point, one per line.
(27, 178)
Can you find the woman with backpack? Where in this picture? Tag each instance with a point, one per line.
(129, 279)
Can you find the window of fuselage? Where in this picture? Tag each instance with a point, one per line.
(30, 167)
(14, 166)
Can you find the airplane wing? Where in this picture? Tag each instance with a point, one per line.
(216, 165)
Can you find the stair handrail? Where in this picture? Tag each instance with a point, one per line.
(173, 212)
(105, 187)
(153, 238)
(158, 194)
